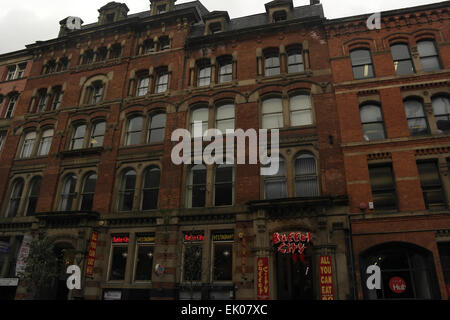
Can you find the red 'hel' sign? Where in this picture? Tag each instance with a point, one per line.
(397, 285)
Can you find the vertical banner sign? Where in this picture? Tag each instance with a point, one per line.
(91, 255)
(23, 254)
(263, 279)
(326, 278)
(243, 255)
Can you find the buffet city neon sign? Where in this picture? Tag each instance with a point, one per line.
(292, 242)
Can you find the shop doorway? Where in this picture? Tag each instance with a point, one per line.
(65, 254)
(294, 276)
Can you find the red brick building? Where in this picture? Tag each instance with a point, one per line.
(392, 97)
(88, 153)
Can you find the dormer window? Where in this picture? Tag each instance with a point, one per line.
(215, 27)
(280, 15)
(110, 18)
(162, 9)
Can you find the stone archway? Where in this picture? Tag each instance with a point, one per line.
(65, 253)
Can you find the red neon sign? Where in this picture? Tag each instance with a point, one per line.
(121, 239)
(198, 237)
(291, 242)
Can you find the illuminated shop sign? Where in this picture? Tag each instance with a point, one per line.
(91, 254)
(397, 285)
(263, 278)
(145, 238)
(326, 278)
(292, 242)
(120, 239)
(223, 236)
(194, 236)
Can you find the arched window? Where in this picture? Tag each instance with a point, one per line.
(199, 115)
(57, 98)
(46, 142)
(372, 122)
(407, 272)
(272, 113)
(417, 120)
(126, 191)
(196, 187)
(157, 128)
(98, 134)
(134, 131)
(429, 56)
(16, 196)
(402, 59)
(272, 63)
(306, 182)
(225, 117)
(362, 64)
(33, 195)
(275, 186)
(78, 137)
(301, 110)
(150, 192)
(295, 60)
(68, 193)
(97, 91)
(441, 109)
(88, 191)
(224, 185)
(28, 145)
(42, 101)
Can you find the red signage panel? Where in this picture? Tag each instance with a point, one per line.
(91, 255)
(263, 279)
(326, 278)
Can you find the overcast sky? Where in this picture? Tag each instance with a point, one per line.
(24, 22)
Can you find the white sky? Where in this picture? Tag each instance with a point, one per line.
(24, 22)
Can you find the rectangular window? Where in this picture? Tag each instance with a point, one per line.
(144, 257)
(192, 256)
(224, 187)
(429, 56)
(272, 66)
(226, 72)
(21, 71)
(433, 193)
(11, 104)
(362, 64)
(119, 254)
(402, 59)
(383, 187)
(143, 86)
(57, 98)
(11, 73)
(162, 83)
(272, 113)
(204, 76)
(295, 61)
(42, 102)
(301, 110)
(223, 256)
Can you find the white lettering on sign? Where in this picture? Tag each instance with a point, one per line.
(374, 281)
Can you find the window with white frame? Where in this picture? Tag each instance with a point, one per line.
(68, 193)
(306, 182)
(134, 131)
(199, 115)
(429, 55)
(203, 73)
(143, 84)
(225, 69)
(225, 117)
(79, 133)
(301, 110)
(295, 60)
(441, 110)
(150, 192)
(15, 197)
(415, 115)
(157, 128)
(126, 190)
(28, 145)
(162, 82)
(276, 186)
(272, 113)
(11, 105)
(46, 142)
